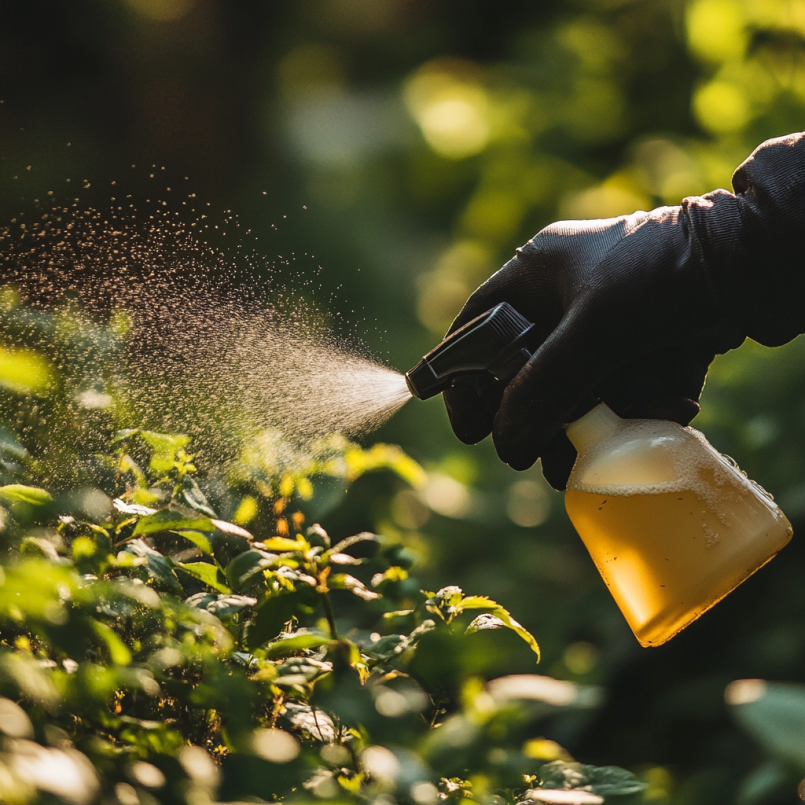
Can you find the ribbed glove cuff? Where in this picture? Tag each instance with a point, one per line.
(752, 244)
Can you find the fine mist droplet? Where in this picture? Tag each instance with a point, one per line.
(213, 348)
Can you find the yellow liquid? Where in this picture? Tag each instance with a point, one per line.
(668, 557)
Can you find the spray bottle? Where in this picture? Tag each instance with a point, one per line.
(672, 525)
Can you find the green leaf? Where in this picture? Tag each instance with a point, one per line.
(158, 568)
(364, 536)
(284, 544)
(190, 493)
(495, 609)
(118, 651)
(764, 781)
(296, 642)
(246, 566)
(342, 581)
(276, 611)
(164, 442)
(209, 574)
(226, 546)
(122, 435)
(10, 445)
(167, 520)
(221, 606)
(484, 622)
(201, 541)
(603, 781)
(545, 689)
(17, 493)
(773, 713)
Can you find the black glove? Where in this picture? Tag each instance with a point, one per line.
(634, 309)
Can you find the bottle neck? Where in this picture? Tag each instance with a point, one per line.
(595, 424)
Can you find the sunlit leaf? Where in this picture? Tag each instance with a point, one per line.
(342, 581)
(17, 493)
(208, 573)
(283, 544)
(482, 602)
(201, 541)
(167, 520)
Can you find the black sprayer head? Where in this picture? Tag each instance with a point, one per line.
(492, 347)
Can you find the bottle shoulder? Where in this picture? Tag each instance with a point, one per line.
(641, 453)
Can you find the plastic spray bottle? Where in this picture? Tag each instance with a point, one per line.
(671, 524)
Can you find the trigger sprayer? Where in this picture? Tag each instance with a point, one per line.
(493, 347)
(671, 524)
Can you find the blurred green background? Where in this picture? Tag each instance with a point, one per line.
(399, 150)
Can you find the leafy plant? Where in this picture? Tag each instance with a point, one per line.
(152, 651)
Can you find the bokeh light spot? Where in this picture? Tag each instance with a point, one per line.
(715, 29)
(450, 107)
(721, 108)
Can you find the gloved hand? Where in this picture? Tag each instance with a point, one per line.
(634, 309)
(623, 313)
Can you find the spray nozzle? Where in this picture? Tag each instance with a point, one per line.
(492, 347)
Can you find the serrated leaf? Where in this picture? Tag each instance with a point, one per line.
(209, 574)
(482, 602)
(484, 622)
(167, 520)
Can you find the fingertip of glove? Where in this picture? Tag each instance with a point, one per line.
(558, 460)
(520, 463)
(467, 415)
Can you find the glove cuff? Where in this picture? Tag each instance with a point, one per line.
(751, 246)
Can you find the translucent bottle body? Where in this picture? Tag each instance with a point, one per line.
(671, 524)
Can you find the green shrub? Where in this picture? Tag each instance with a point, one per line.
(153, 651)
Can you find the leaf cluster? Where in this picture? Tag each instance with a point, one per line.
(159, 653)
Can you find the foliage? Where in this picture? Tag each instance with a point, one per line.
(343, 107)
(154, 652)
